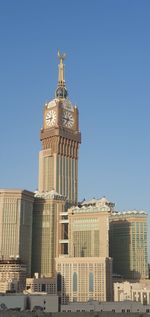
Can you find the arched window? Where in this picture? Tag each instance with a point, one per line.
(91, 282)
(74, 282)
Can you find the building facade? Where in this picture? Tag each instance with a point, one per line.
(87, 271)
(137, 292)
(89, 229)
(48, 237)
(37, 284)
(81, 279)
(13, 275)
(106, 309)
(128, 244)
(16, 208)
(36, 303)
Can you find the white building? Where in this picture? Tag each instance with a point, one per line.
(139, 292)
(41, 284)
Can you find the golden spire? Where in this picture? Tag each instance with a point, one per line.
(61, 91)
(61, 71)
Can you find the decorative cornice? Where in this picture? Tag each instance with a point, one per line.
(59, 131)
(130, 213)
(49, 195)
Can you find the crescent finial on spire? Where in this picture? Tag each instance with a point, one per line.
(61, 56)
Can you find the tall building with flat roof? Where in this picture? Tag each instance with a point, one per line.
(89, 228)
(128, 244)
(87, 271)
(16, 208)
(47, 235)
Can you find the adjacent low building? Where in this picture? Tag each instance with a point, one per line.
(85, 278)
(43, 284)
(112, 307)
(139, 292)
(13, 273)
(42, 302)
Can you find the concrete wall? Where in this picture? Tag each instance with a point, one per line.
(87, 314)
(49, 303)
(114, 307)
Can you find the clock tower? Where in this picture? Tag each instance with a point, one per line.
(60, 137)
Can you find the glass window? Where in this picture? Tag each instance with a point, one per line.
(74, 282)
(91, 282)
(59, 282)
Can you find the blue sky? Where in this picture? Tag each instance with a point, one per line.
(108, 76)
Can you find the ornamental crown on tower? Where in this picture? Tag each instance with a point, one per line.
(61, 91)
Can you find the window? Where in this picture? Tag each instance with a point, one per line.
(74, 282)
(43, 287)
(59, 282)
(91, 282)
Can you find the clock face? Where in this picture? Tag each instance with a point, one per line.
(67, 119)
(50, 118)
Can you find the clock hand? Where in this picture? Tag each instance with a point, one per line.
(66, 119)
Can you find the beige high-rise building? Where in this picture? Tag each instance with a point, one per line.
(58, 178)
(49, 240)
(128, 244)
(87, 271)
(89, 228)
(16, 208)
(82, 279)
(60, 136)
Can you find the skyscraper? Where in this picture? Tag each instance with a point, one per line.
(128, 244)
(16, 225)
(47, 237)
(89, 228)
(60, 137)
(86, 274)
(58, 178)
